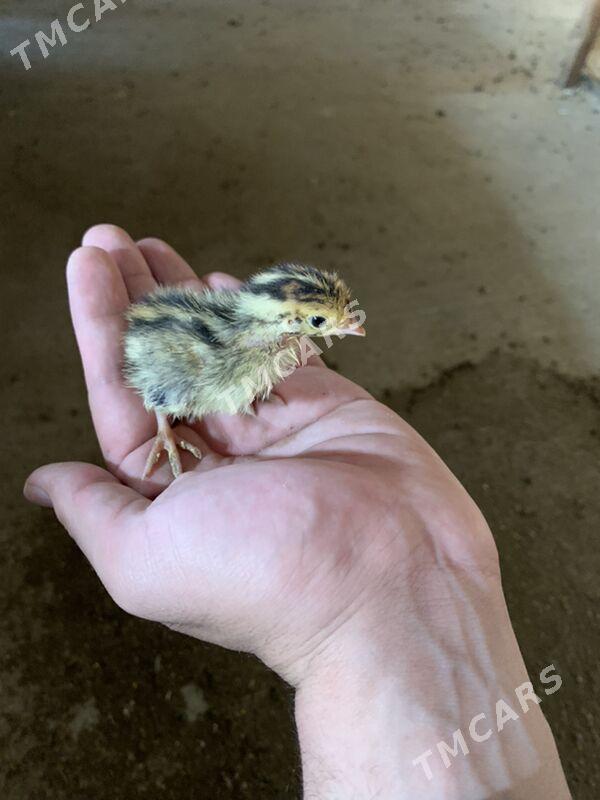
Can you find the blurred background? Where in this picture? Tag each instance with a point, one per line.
(427, 150)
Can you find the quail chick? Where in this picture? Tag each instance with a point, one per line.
(190, 354)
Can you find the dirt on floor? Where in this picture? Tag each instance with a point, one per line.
(426, 150)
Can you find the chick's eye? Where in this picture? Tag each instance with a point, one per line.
(317, 322)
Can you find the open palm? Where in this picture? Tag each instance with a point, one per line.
(294, 520)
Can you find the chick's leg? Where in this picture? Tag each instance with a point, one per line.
(166, 440)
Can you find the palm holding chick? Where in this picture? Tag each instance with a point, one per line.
(299, 527)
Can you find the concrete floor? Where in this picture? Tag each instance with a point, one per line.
(425, 150)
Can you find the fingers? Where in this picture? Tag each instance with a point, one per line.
(98, 299)
(167, 265)
(137, 275)
(221, 280)
(100, 513)
(102, 282)
(149, 262)
(104, 276)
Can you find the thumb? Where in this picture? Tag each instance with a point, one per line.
(95, 508)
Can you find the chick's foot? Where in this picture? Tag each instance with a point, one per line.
(167, 441)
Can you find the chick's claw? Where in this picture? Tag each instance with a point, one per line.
(167, 441)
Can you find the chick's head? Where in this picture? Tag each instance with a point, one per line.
(303, 300)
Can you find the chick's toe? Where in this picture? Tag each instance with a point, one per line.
(166, 441)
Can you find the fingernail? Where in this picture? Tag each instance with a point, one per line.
(36, 495)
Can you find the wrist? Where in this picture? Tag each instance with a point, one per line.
(378, 700)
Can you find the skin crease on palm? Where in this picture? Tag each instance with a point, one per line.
(320, 531)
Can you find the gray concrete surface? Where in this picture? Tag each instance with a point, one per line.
(424, 149)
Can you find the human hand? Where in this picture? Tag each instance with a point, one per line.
(323, 526)
(292, 518)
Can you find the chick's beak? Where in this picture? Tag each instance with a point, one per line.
(348, 329)
(358, 331)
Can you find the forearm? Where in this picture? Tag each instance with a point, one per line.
(373, 719)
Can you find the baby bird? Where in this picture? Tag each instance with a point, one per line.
(189, 354)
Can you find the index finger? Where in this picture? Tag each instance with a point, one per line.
(98, 299)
